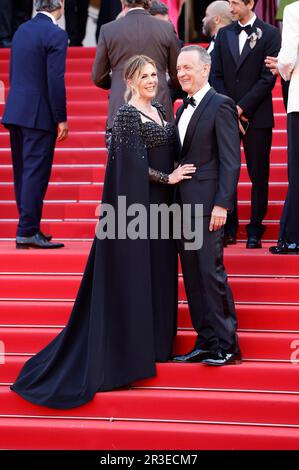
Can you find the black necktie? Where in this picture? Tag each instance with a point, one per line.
(239, 28)
(188, 101)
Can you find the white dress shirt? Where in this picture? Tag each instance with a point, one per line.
(188, 112)
(288, 57)
(49, 15)
(243, 35)
(211, 46)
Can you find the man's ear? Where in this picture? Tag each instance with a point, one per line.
(206, 69)
(217, 19)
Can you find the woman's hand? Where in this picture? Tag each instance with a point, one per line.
(182, 172)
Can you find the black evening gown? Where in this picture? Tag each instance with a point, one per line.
(124, 316)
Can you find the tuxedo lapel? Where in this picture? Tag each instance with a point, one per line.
(247, 49)
(194, 119)
(233, 43)
(178, 114)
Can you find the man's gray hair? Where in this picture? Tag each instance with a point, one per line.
(47, 5)
(204, 56)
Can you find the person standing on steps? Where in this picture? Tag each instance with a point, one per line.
(287, 64)
(124, 317)
(207, 125)
(35, 115)
(216, 17)
(239, 71)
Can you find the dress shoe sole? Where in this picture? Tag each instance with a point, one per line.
(26, 246)
(232, 363)
(284, 252)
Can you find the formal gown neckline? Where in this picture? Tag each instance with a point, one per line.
(150, 118)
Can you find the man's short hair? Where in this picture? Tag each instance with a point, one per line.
(158, 8)
(138, 3)
(204, 56)
(47, 5)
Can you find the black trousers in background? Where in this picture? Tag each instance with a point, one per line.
(76, 14)
(289, 223)
(209, 296)
(32, 156)
(108, 12)
(257, 146)
(12, 14)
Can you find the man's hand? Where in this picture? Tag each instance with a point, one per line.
(218, 218)
(63, 130)
(241, 118)
(271, 63)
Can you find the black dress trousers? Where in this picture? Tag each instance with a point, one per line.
(12, 14)
(76, 14)
(289, 223)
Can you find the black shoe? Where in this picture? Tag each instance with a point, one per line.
(222, 358)
(5, 43)
(253, 242)
(36, 241)
(46, 236)
(196, 355)
(229, 240)
(284, 248)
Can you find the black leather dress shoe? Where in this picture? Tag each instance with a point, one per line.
(36, 241)
(5, 43)
(253, 242)
(222, 358)
(46, 236)
(196, 355)
(284, 248)
(229, 240)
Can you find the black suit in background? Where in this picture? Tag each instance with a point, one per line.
(12, 14)
(212, 144)
(35, 105)
(76, 14)
(108, 12)
(249, 83)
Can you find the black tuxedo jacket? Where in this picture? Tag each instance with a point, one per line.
(212, 144)
(245, 77)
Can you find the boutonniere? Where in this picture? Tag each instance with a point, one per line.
(254, 37)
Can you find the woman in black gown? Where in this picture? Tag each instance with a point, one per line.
(124, 317)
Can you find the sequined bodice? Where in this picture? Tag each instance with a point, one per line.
(155, 135)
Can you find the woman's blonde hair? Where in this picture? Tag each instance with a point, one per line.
(133, 67)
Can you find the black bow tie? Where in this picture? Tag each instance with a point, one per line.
(239, 28)
(188, 101)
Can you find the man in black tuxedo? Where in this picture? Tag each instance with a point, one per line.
(208, 131)
(239, 71)
(12, 14)
(216, 17)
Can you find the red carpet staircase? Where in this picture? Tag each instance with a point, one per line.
(186, 406)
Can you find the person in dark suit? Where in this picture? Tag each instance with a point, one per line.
(239, 71)
(208, 129)
(109, 10)
(35, 108)
(152, 37)
(217, 16)
(12, 14)
(76, 14)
